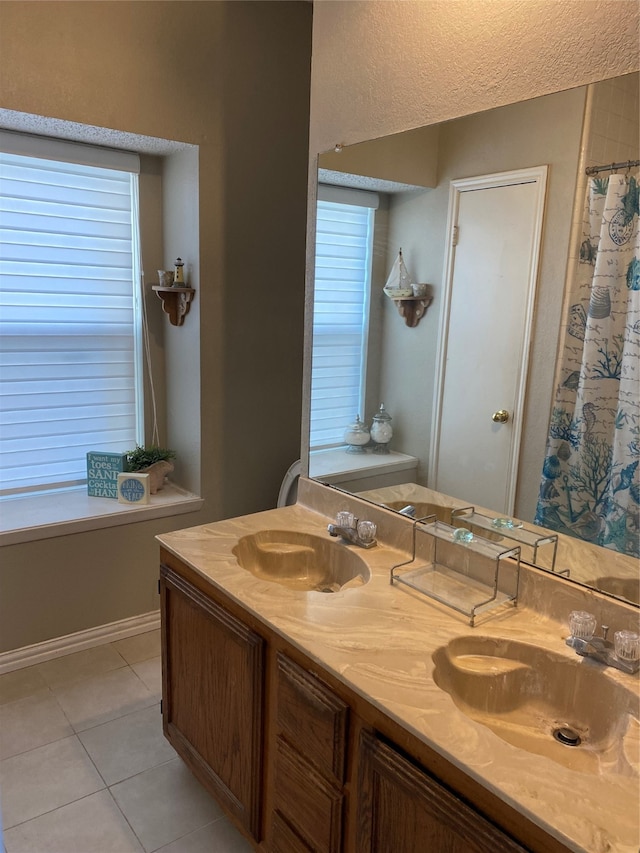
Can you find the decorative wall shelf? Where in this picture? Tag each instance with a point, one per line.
(176, 302)
(412, 308)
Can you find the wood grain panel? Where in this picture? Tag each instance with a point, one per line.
(284, 838)
(402, 808)
(214, 675)
(312, 718)
(309, 804)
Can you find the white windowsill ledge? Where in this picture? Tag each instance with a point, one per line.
(30, 517)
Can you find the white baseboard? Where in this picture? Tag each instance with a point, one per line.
(59, 646)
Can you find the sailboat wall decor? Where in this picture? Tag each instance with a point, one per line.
(398, 284)
(411, 300)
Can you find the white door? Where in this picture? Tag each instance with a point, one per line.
(495, 223)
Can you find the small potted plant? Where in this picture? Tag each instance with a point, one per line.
(152, 460)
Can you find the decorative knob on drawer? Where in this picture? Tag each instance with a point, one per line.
(500, 417)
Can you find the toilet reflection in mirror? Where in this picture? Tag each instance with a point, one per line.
(403, 185)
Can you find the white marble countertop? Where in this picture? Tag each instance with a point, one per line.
(378, 639)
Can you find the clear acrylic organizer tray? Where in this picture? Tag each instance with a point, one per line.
(535, 548)
(471, 577)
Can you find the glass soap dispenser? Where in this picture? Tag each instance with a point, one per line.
(356, 436)
(381, 430)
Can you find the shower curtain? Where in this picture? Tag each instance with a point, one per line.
(590, 480)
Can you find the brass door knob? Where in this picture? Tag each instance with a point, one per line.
(500, 417)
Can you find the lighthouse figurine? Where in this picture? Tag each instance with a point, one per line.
(178, 277)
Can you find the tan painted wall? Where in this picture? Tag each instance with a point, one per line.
(409, 158)
(233, 79)
(378, 68)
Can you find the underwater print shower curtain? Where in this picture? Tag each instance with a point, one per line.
(590, 480)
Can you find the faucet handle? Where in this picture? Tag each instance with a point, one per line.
(582, 624)
(367, 531)
(346, 519)
(626, 645)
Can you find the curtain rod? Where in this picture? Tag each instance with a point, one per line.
(612, 167)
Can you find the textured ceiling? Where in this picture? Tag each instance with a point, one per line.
(361, 182)
(43, 126)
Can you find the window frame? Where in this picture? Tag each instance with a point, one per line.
(83, 156)
(360, 199)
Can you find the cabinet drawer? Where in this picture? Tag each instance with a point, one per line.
(310, 804)
(312, 718)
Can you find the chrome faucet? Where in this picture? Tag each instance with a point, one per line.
(408, 510)
(361, 533)
(622, 654)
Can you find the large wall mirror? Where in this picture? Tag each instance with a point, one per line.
(488, 212)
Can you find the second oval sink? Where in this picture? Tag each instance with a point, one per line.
(542, 702)
(300, 560)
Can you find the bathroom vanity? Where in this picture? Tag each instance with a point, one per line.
(315, 720)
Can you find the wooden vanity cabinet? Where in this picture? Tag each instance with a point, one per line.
(213, 689)
(298, 761)
(401, 807)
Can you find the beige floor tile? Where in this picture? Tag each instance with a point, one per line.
(150, 671)
(45, 778)
(31, 722)
(105, 697)
(128, 745)
(93, 824)
(139, 648)
(20, 684)
(164, 804)
(218, 837)
(80, 665)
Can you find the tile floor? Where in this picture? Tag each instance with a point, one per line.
(85, 768)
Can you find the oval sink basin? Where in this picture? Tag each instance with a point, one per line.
(301, 560)
(564, 709)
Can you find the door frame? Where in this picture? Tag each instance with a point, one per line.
(535, 175)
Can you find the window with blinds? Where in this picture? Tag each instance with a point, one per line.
(70, 369)
(344, 238)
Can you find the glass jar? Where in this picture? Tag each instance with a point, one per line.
(381, 430)
(356, 436)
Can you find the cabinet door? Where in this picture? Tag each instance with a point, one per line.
(213, 685)
(402, 808)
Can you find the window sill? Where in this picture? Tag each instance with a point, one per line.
(28, 518)
(335, 465)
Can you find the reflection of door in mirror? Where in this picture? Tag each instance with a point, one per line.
(544, 131)
(570, 130)
(489, 284)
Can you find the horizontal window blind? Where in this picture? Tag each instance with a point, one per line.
(341, 298)
(69, 371)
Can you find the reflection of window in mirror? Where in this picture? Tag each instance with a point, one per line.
(344, 248)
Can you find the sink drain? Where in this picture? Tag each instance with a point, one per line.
(567, 736)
